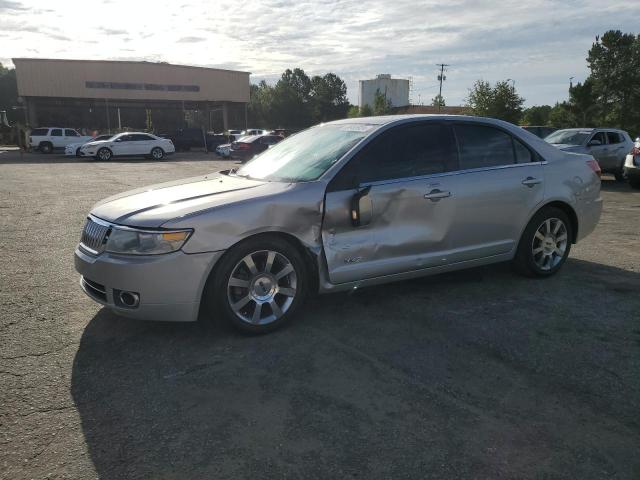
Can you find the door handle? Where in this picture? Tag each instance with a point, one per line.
(530, 181)
(435, 195)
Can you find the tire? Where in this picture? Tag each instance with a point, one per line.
(45, 147)
(104, 154)
(157, 153)
(78, 152)
(238, 293)
(620, 176)
(635, 183)
(544, 245)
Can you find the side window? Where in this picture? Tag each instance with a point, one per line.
(70, 133)
(139, 137)
(39, 132)
(126, 138)
(56, 132)
(404, 152)
(480, 146)
(614, 137)
(523, 154)
(601, 137)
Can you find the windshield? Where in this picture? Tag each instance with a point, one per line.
(306, 155)
(569, 137)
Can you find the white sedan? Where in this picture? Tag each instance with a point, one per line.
(73, 149)
(129, 144)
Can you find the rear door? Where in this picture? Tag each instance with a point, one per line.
(57, 138)
(499, 182)
(411, 206)
(142, 143)
(70, 136)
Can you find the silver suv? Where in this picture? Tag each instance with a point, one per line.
(607, 145)
(339, 206)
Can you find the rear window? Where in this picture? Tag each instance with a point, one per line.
(40, 132)
(481, 146)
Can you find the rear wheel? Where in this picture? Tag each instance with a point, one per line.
(260, 284)
(104, 154)
(635, 183)
(157, 153)
(545, 243)
(45, 147)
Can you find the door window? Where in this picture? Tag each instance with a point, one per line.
(126, 138)
(403, 152)
(523, 154)
(70, 133)
(481, 146)
(599, 136)
(140, 137)
(614, 137)
(56, 132)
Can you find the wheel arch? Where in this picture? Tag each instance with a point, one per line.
(309, 257)
(566, 208)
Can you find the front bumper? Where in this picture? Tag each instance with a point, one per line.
(169, 286)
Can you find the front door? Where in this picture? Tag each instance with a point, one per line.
(412, 210)
(123, 145)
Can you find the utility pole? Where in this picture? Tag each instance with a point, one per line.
(441, 78)
(571, 83)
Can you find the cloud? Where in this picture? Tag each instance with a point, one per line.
(538, 44)
(10, 5)
(113, 31)
(191, 39)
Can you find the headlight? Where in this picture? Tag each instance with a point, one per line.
(145, 242)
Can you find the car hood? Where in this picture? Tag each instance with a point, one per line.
(569, 148)
(154, 205)
(96, 143)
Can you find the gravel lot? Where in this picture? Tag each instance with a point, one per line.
(477, 374)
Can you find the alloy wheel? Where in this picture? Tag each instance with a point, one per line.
(549, 243)
(262, 287)
(104, 154)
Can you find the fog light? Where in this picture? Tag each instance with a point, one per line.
(129, 299)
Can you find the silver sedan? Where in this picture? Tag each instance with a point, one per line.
(339, 206)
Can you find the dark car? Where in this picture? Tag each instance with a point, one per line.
(185, 139)
(540, 131)
(251, 146)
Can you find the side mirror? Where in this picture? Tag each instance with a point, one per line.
(361, 208)
(594, 143)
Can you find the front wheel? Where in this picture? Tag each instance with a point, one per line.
(104, 154)
(157, 153)
(635, 183)
(545, 243)
(620, 176)
(260, 284)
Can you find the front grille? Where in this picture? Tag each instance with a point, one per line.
(93, 236)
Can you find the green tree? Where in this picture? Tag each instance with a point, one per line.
(381, 106)
(536, 115)
(9, 94)
(500, 101)
(366, 111)
(614, 61)
(328, 98)
(582, 103)
(353, 112)
(561, 116)
(438, 101)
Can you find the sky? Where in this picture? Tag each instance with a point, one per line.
(536, 44)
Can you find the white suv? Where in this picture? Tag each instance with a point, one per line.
(48, 139)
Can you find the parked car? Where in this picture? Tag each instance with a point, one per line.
(214, 140)
(235, 135)
(541, 132)
(632, 165)
(342, 205)
(185, 139)
(249, 147)
(129, 144)
(51, 138)
(224, 149)
(73, 149)
(607, 145)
